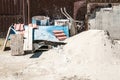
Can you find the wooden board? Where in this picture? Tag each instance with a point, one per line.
(28, 39)
(6, 39)
(16, 44)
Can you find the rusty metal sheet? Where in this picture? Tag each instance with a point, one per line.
(11, 12)
(80, 10)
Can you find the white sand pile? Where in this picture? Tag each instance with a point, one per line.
(90, 55)
(94, 54)
(93, 46)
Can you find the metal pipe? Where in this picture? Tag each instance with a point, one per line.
(28, 3)
(24, 11)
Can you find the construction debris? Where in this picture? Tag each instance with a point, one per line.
(106, 18)
(16, 45)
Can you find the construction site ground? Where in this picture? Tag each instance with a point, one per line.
(90, 55)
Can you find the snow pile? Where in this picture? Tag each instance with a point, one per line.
(90, 55)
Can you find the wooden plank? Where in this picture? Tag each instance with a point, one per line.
(6, 39)
(25, 39)
(16, 44)
(28, 41)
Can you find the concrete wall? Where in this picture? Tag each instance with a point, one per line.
(107, 19)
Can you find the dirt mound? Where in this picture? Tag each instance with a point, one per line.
(92, 46)
(90, 55)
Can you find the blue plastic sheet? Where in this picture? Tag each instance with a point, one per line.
(46, 32)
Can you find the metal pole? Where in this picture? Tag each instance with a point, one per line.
(28, 2)
(86, 16)
(24, 11)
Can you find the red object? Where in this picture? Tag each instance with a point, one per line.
(58, 31)
(21, 27)
(60, 35)
(17, 27)
(62, 38)
(35, 26)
